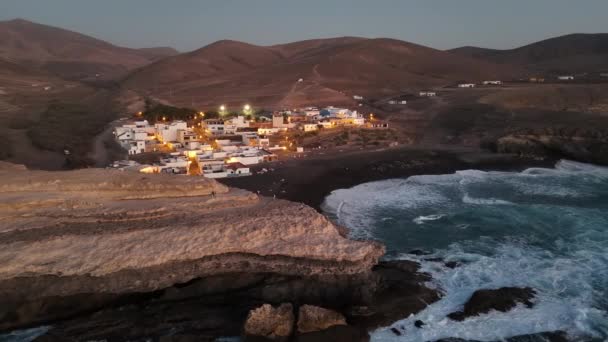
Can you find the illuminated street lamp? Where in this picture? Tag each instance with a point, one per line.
(222, 110)
(247, 109)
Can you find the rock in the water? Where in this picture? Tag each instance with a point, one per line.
(419, 324)
(396, 331)
(270, 322)
(503, 299)
(337, 333)
(313, 318)
(419, 252)
(452, 264)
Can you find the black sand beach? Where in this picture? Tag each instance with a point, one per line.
(310, 179)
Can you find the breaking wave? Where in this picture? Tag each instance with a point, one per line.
(543, 228)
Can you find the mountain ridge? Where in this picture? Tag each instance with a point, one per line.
(70, 54)
(572, 52)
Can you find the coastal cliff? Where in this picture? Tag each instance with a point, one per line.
(77, 241)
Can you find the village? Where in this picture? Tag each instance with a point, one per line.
(223, 143)
(228, 144)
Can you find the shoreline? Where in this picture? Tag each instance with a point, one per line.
(309, 180)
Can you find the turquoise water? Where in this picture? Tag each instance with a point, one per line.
(543, 228)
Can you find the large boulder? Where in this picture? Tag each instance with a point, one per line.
(503, 299)
(270, 322)
(313, 318)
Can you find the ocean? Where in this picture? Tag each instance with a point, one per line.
(542, 228)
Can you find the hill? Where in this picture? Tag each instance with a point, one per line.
(323, 71)
(569, 53)
(69, 54)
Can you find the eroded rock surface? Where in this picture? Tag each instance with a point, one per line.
(271, 322)
(96, 235)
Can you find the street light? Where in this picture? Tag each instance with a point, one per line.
(247, 107)
(222, 108)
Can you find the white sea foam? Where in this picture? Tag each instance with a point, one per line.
(423, 219)
(564, 299)
(484, 201)
(557, 246)
(26, 335)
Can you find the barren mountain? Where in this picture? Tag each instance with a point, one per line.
(570, 53)
(307, 72)
(70, 54)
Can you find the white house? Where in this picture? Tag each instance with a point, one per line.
(268, 131)
(186, 135)
(312, 112)
(565, 78)
(280, 121)
(168, 132)
(224, 171)
(359, 121)
(136, 147)
(238, 121)
(133, 136)
(357, 97)
(309, 127)
(214, 127)
(492, 82)
(466, 85)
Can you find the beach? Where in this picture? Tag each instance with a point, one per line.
(309, 179)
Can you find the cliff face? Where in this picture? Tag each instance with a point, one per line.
(99, 234)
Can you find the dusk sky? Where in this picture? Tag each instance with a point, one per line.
(190, 24)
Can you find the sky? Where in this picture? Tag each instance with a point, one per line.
(190, 24)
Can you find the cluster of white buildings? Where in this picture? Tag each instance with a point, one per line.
(228, 158)
(485, 83)
(217, 148)
(225, 158)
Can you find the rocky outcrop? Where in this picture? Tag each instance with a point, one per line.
(503, 299)
(219, 305)
(313, 318)
(270, 322)
(585, 146)
(106, 236)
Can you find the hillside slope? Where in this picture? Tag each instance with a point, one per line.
(70, 54)
(570, 53)
(331, 71)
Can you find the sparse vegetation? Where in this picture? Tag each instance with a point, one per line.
(159, 112)
(71, 127)
(6, 151)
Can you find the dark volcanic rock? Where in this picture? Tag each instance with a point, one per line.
(313, 318)
(418, 252)
(419, 324)
(338, 333)
(400, 292)
(452, 264)
(396, 331)
(503, 299)
(218, 305)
